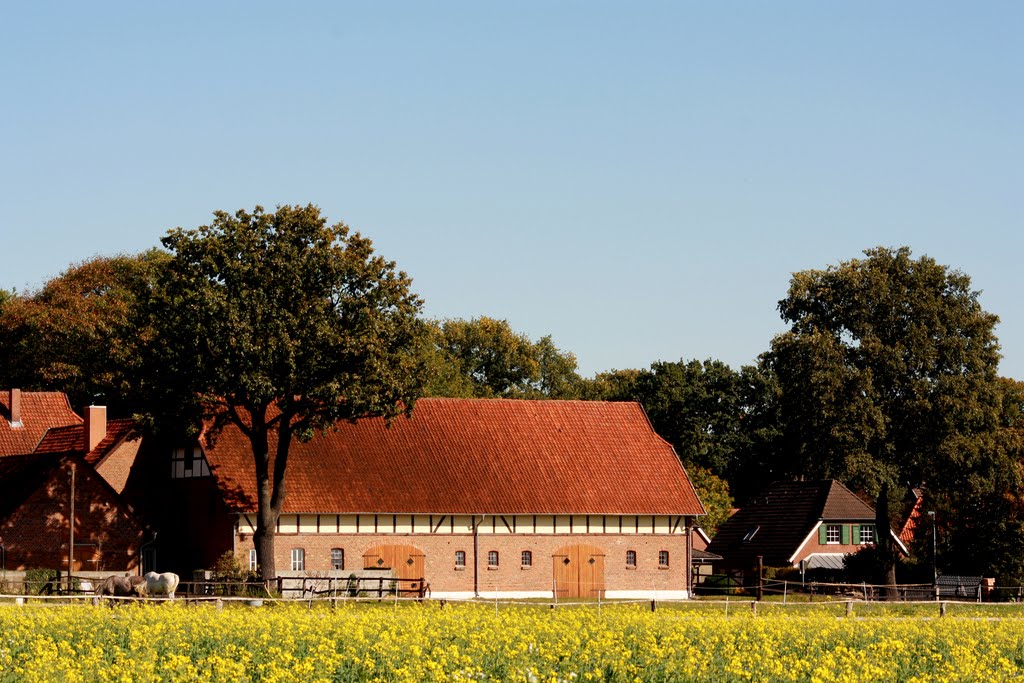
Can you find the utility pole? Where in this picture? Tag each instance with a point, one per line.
(935, 566)
(71, 524)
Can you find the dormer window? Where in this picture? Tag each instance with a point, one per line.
(188, 463)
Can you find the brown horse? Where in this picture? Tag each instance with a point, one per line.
(122, 586)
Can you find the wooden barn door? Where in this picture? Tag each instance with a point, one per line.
(405, 561)
(578, 571)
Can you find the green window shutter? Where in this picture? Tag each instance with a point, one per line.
(844, 534)
(822, 535)
(856, 534)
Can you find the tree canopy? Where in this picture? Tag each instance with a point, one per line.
(486, 358)
(281, 325)
(888, 375)
(80, 332)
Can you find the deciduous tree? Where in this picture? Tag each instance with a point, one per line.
(281, 325)
(80, 332)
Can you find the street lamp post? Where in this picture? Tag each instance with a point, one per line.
(935, 567)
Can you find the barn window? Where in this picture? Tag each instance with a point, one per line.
(492, 558)
(460, 559)
(187, 463)
(527, 558)
(253, 563)
(631, 558)
(662, 558)
(337, 558)
(298, 559)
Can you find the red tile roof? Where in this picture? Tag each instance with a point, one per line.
(40, 410)
(466, 456)
(71, 439)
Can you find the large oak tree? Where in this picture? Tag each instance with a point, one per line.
(888, 375)
(281, 325)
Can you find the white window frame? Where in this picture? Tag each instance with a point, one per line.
(337, 554)
(833, 534)
(867, 530)
(493, 558)
(460, 559)
(663, 558)
(298, 559)
(253, 560)
(527, 558)
(631, 555)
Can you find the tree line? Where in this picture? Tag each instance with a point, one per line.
(886, 378)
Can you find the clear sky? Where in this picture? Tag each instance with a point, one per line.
(638, 180)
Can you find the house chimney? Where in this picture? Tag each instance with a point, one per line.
(15, 405)
(95, 426)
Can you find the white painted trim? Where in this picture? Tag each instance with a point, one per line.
(899, 543)
(647, 595)
(792, 558)
(521, 595)
(451, 595)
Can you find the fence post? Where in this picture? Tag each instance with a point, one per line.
(753, 607)
(220, 604)
(942, 608)
(760, 577)
(654, 605)
(784, 585)
(849, 608)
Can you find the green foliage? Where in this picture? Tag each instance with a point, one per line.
(80, 333)
(485, 358)
(886, 358)
(888, 375)
(716, 418)
(282, 325)
(39, 580)
(713, 492)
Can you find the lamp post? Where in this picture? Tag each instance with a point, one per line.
(935, 567)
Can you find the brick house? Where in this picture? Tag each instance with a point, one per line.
(109, 447)
(26, 415)
(510, 498)
(41, 441)
(36, 494)
(816, 523)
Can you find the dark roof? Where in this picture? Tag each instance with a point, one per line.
(466, 456)
(40, 410)
(777, 522)
(703, 556)
(71, 439)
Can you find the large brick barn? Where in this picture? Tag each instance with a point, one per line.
(496, 498)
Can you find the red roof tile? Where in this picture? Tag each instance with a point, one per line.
(466, 456)
(40, 410)
(71, 439)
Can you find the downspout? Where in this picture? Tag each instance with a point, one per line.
(476, 554)
(689, 521)
(143, 547)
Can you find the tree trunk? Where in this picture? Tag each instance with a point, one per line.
(266, 516)
(883, 542)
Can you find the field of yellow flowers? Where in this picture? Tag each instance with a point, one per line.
(425, 642)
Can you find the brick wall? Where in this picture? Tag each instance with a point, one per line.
(116, 467)
(847, 533)
(107, 535)
(509, 578)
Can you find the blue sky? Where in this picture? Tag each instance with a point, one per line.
(638, 180)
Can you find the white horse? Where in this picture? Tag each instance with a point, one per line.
(161, 584)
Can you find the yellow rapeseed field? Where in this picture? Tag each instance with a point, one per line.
(172, 642)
